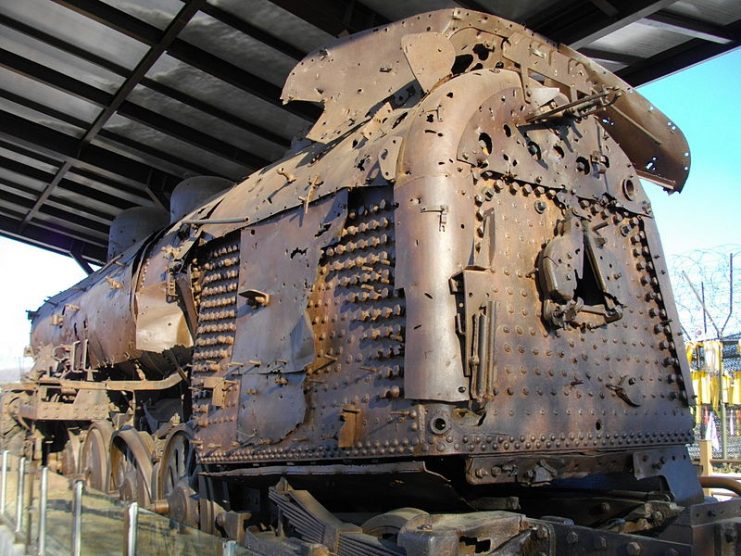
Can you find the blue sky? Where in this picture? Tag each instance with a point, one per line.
(702, 101)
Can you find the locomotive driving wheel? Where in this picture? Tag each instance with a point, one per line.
(13, 430)
(69, 459)
(177, 477)
(93, 462)
(131, 465)
(387, 525)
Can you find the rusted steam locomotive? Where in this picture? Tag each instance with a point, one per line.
(449, 297)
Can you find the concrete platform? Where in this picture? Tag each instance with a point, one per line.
(8, 546)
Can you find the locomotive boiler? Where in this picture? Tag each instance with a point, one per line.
(441, 324)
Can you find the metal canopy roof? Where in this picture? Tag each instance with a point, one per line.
(108, 104)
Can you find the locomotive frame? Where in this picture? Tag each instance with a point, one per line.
(449, 294)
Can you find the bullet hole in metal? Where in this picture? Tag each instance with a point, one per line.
(582, 164)
(534, 150)
(439, 425)
(400, 119)
(461, 63)
(485, 143)
(629, 189)
(481, 51)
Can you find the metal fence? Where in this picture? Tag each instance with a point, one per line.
(49, 514)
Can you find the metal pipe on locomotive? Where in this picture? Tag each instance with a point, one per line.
(450, 295)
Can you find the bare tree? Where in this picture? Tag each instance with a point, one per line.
(707, 289)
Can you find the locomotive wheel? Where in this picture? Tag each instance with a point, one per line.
(131, 465)
(12, 432)
(388, 525)
(14, 439)
(177, 477)
(93, 464)
(69, 461)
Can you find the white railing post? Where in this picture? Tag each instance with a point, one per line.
(131, 523)
(77, 518)
(21, 486)
(3, 483)
(229, 548)
(43, 497)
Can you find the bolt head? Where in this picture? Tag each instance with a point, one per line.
(541, 533)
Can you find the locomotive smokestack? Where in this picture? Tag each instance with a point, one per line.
(193, 192)
(133, 225)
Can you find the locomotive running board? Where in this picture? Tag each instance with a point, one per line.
(404, 467)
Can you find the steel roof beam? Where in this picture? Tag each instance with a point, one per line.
(254, 32)
(73, 234)
(98, 178)
(35, 155)
(60, 44)
(141, 147)
(22, 169)
(583, 22)
(62, 204)
(690, 27)
(118, 204)
(606, 7)
(156, 86)
(679, 57)
(76, 254)
(52, 240)
(187, 134)
(82, 90)
(216, 112)
(53, 78)
(241, 79)
(12, 198)
(42, 108)
(335, 17)
(58, 175)
(473, 5)
(126, 196)
(55, 144)
(75, 221)
(76, 209)
(616, 57)
(69, 210)
(185, 52)
(44, 177)
(177, 24)
(158, 156)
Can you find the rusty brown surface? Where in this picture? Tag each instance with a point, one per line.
(98, 309)
(497, 276)
(457, 263)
